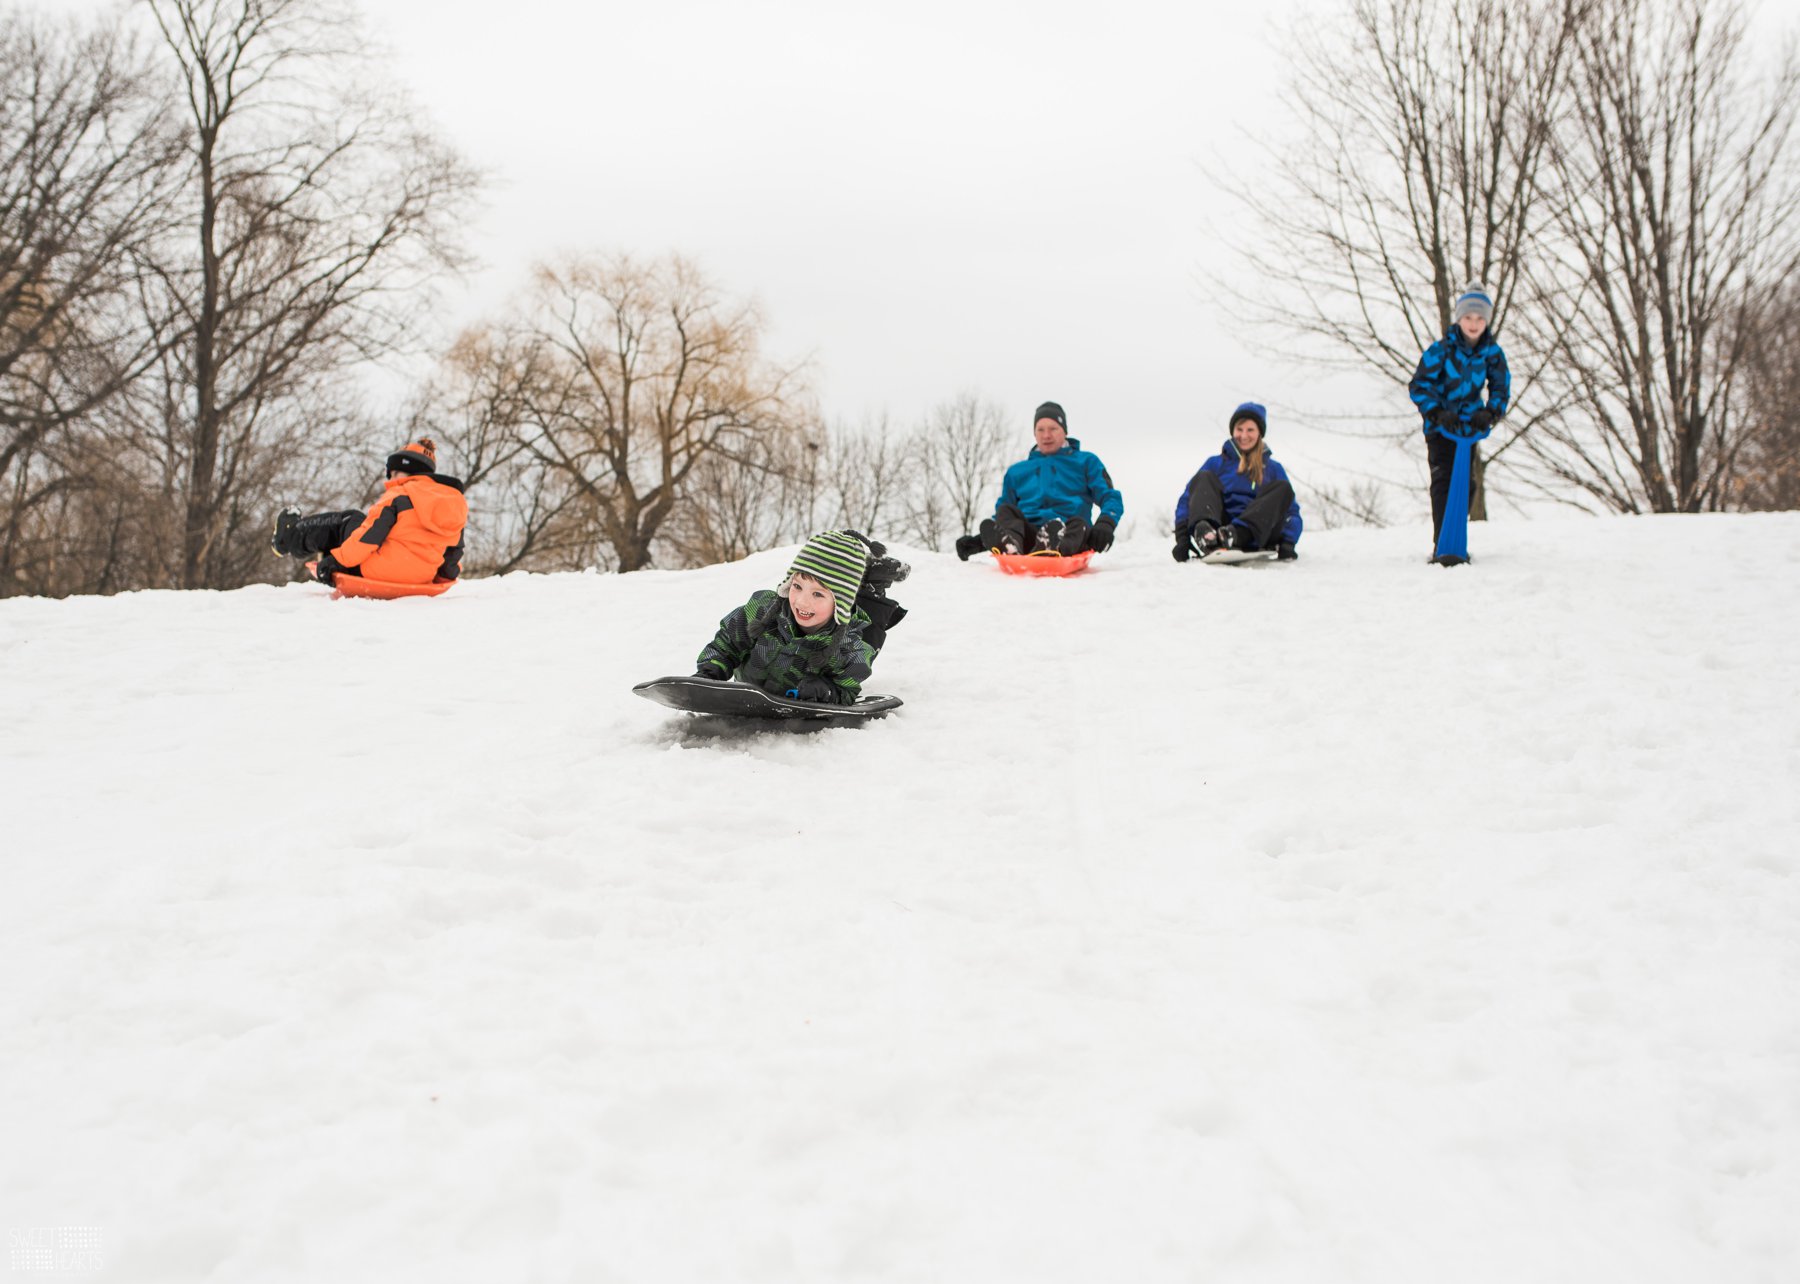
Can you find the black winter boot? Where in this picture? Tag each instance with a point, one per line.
(281, 540)
(884, 573)
(992, 536)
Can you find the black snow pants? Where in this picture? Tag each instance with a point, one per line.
(320, 533)
(1067, 538)
(1262, 516)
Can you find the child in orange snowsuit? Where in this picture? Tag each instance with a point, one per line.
(412, 535)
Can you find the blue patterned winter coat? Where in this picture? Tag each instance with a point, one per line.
(1451, 375)
(1065, 485)
(1239, 491)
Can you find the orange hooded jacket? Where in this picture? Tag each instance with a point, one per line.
(413, 533)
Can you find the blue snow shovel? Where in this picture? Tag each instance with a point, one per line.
(1453, 535)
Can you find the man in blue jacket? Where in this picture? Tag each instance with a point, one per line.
(1047, 499)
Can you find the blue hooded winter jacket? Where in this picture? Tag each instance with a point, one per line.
(1239, 492)
(1451, 374)
(1065, 486)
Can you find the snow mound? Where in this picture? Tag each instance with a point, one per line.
(1351, 919)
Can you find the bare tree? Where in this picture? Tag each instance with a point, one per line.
(316, 214)
(962, 449)
(1766, 472)
(1424, 128)
(87, 163)
(649, 372)
(866, 473)
(1362, 502)
(1676, 202)
(528, 516)
(755, 496)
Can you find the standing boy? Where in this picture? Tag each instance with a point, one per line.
(1448, 388)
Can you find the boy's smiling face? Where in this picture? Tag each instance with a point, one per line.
(811, 602)
(1473, 326)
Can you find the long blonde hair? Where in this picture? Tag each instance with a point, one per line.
(1252, 462)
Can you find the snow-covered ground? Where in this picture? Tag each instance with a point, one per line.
(1352, 920)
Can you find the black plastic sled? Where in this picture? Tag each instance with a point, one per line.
(740, 700)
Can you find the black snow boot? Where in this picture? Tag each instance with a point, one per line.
(992, 536)
(281, 541)
(884, 573)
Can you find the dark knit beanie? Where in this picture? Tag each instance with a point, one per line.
(1050, 410)
(837, 559)
(418, 458)
(1251, 410)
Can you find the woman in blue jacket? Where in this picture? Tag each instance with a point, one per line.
(1047, 499)
(1241, 498)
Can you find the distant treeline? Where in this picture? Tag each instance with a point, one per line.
(212, 217)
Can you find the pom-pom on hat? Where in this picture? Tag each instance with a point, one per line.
(838, 560)
(1252, 410)
(416, 457)
(1050, 410)
(1473, 301)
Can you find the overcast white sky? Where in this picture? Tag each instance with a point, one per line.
(1015, 198)
(1002, 196)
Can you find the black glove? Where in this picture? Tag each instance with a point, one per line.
(1101, 537)
(823, 689)
(1184, 543)
(1483, 419)
(327, 569)
(969, 545)
(1286, 552)
(1445, 419)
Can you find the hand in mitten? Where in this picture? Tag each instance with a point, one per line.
(1184, 543)
(1286, 552)
(822, 689)
(968, 545)
(1446, 419)
(327, 569)
(1101, 537)
(1483, 419)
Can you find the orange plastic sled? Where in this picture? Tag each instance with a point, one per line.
(357, 586)
(1043, 563)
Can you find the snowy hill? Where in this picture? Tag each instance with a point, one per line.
(1342, 921)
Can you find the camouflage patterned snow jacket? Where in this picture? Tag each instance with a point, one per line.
(760, 643)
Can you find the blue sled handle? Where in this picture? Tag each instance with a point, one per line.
(1453, 535)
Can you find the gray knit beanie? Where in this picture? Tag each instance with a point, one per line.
(1473, 301)
(837, 559)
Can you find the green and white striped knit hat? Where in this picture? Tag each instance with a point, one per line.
(837, 559)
